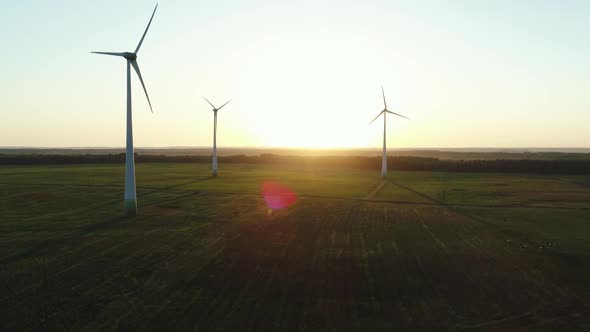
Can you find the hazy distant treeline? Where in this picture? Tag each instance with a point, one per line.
(456, 154)
(395, 163)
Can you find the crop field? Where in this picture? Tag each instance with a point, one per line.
(418, 251)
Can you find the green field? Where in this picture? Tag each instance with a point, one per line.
(421, 251)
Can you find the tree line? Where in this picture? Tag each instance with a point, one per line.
(395, 162)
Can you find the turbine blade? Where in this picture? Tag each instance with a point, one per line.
(396, 114)
(110, 53)
(223, 105)
(378, 115)
(146, 30)
(136, 67)
(383, 92)
(209, 102)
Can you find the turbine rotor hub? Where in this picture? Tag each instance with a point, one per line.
(130, 56)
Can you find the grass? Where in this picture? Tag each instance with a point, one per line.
(499, 189)
(429, 251)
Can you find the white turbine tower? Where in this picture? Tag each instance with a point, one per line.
(130, 195)
(384, 112)
(215, 109)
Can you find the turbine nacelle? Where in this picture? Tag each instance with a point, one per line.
(130, 56)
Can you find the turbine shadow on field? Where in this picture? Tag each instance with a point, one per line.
(375, 190)
(434, 200)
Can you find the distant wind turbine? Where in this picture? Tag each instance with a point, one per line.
(384, 112)
(215, 109)
(130, 194)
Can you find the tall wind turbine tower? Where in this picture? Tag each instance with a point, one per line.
(215, 109)
(130, 194)
(384, 112)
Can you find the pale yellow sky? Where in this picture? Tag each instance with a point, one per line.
(467, 73)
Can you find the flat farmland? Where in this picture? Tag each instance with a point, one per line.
(418, 251)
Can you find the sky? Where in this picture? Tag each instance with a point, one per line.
(468, 73)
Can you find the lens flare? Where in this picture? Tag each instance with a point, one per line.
(277, 196)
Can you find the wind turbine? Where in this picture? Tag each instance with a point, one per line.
(215, 109)
(384, 112)
(130, 194)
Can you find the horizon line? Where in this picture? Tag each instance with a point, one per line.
(296, 148)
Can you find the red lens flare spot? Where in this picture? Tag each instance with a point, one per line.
(277, 196)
